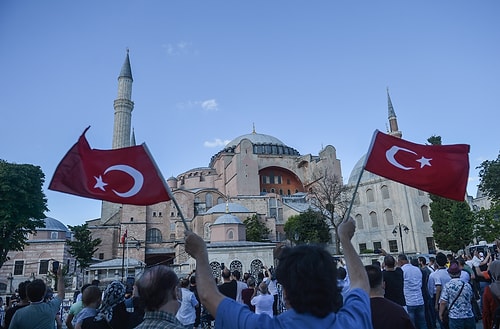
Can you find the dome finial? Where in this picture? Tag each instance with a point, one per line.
(253, 130)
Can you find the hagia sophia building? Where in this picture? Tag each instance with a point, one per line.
(255, 174)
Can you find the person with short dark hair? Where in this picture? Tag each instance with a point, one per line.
(23, 302)
(440, 277)
(228, 288)
(385, 313)
(157, 289)
(39, 314)
(307, 274)
(240, 285)
(412, 288)
(186, 313)
(393, 281)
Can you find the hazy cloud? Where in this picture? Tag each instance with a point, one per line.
(216, 143)
(179, 48)
(207, 105)
(210, 105)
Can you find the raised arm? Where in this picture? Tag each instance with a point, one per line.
(207, 289)
(357, 273)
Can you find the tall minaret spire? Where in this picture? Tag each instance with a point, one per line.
(122, 130)
(393, 121)
(123, 107)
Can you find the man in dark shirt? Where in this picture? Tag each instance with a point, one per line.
(385, 313)
(22, 303)
(229, 287)
(393, 279)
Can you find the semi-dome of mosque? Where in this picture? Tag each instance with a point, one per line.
(52, 224)
(227, 219)
(353, 178)
(227, 207)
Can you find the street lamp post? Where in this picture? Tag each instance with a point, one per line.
(400, 228)
(10, 278)
(137, 246)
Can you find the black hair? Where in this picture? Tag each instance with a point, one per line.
(389, 261)
(374, 275)
(237, 275)
(157, 286)
(192, 279)
(35, 290)
(308, 274)
(441, 259)
(21, 289)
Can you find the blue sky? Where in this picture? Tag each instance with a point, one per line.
(310, 73)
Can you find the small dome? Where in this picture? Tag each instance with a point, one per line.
(233, 208)
(256, 139)
(52, 224)
(227, 219)
(353, 178)
(172, 178)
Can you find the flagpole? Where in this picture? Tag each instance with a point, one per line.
(359, 177)
(166, 187)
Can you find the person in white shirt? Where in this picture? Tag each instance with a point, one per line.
(262, 300)
(412, 289)
(186, 314)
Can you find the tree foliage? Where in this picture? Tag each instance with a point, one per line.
(22, 205)
(82, 247)
(331, 198)
(256, 230)
(487, 223)
(489, 175)
(307, 227)
(452, 221)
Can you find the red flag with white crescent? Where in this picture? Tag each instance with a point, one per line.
(126, 175)
(438, 169)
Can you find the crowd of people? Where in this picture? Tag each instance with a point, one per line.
(318, 291)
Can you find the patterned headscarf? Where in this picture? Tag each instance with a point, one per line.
(113, 295)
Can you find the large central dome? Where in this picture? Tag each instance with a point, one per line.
(256, 139)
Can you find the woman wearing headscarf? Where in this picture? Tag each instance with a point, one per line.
(112, 313)
(491, 295)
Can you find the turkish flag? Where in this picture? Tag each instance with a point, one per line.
(126, 175)
(438, 169)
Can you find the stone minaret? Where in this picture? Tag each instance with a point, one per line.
(393, 121)
(122, 128)
(123, 107)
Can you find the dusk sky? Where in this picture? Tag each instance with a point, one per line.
(311, 73)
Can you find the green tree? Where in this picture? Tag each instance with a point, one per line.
(489, 175)
(307, 227)
(22, 205)
(487, 223)
(452, 221)
(82, 247)
(331, 198)
(256, 230)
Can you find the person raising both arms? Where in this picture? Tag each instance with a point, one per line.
(310, 303)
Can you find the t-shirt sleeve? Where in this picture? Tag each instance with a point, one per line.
(194, 301)
(231, 314)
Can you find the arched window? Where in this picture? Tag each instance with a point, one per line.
(359, 222)
(236, 265)
(209, 200)
(425, 213)
(374, 220)
(230, 234)
(220, 200)
(153, 235)
(389, 220)
(215, 266)
(206, 231)
(385, 192)
(369, 195)
(255, 267)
